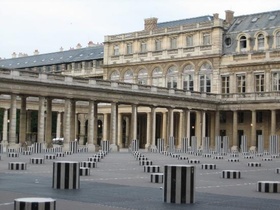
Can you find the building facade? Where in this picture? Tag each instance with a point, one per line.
(236, 59)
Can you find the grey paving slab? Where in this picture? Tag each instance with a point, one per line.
(119, 182)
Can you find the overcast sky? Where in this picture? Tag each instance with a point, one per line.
(47, 25)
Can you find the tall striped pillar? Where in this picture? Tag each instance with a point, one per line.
(260, 144)
(218, 144)
(66, 175)
(274, 144)
(179, 184)
(160, 145)
(244, 144)
(105, 145)
(184, 144)
(171, 144)
(206, 143)
(194, 144)
(225, 144)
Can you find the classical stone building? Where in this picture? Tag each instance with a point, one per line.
(235, 60)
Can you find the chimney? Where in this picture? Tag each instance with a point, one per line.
(79, 46)
(90, 44)
(216, 16)
(229, 16)
(61, 49)
(36, 52)
(150, 23)
(14, 55)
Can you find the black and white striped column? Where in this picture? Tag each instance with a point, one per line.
(218, 144)
(268, 186)
(66, 175)
(105, 145)
(37, 147)
(225, 145)
(260, 144)
(134, 145)
(244, 147)
(74, 146)
(185, 145)
(157, 177)
(231, 174)
(34, 204)
(160, 145)
(17, 166)
(208, 166)
(274, 144)
(151, 169)
(205, 144)
(179, 184)
(194, 144)
(171, 148)
(37, 160)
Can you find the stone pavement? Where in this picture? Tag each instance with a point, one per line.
(119, 182)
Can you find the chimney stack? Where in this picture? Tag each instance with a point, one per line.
(150, 23)
(216, 16)
(79, 46)
(14, 55)
(229, 16)
(36, 52)
(61, 49)
(90, 44)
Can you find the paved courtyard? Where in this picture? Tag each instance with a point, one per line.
(119, 182)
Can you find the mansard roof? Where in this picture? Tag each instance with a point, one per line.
(69, 56)
(206, 18)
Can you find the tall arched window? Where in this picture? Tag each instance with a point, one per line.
(205, 77)
(143, 77)
(277, 39)
(157, 77)
(243, 43)
(187, 77)
(172, 77)
(115, 76)
(260, 42)
(128, 76)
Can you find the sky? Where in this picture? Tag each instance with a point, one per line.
(47, 25)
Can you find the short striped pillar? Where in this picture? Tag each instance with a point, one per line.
(268, 186)
(157, 177)
(152, 169)
(193, 161)
(145, 162)
(17, 166)
(59, 154)
(34, 204)
(105, 145)
(88, 164)
(13, 154)
(26, 153)
(84, 171)
(231, 174)
(179, 184)
(208, 166)
(254, 164)
(233, 160)
(141, 158)
(218, 157)
(37, 160)
(267, 159)
(66, 175)
(50, 156)
(277, 170)
(93, 159)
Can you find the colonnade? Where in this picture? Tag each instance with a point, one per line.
(160, 123)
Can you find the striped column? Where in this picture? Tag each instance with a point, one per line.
(206, 143)
(74, 146)
(274, 144)
(105, 145)
(37, 147)
(194, 144)
(134, 145)
(268, 186)
(66, 175)
(225, 146)
(184, 145)
(160, 145)
(244, 144)
(260, 144)
(179, 184)
(218, 144)
(171, 144)
(34, 204)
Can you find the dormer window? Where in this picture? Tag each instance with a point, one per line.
(243, 43)
(260, 42)
(277, 39)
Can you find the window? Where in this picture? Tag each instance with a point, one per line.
(206, 39)
(240, 117)
(241, 83)
(189, 41)
(129, 48)
(143, 77)
(278, 39)
(116, 50)
(158, 45)
(260, 42)
(115, 76)
(259, 117)
(128, 76)
(276, 81)
(225, 84)
(172, 77)
(187, 77)
(243, 43)
(157, 77)
(173, 42)
(259, 83)
(143, 47)
(205, 78)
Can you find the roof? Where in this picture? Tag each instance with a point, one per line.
(206, 18)
(255, 21)
(69, 56)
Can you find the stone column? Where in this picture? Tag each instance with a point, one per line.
(105, 127)
(234, 131)
(48, 133)
(217, 123)
(41, 120)
(114, 126)
(273, 122)
(82, 129)
(203, 128)
(152, 122)
(58, 125)
(22, 124)
(13, 122)
(5, 129)
(134, 121)
(253, 131)
(164, 127)
(72, 120)
(66, 125)
(120, 131)
(148, 131)
(92, 126)
(188, 124)
(181, 128)
(127, 131)
(28, 125)
(198, 128)
(170, 122)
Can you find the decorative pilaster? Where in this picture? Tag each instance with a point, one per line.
(92, 126)
(273, 123)
(234, 131)
(22, 124)
(120, 131)
(253, 131)
(66, 125)
(58, 125)
(114, 126)
(41, 120)
(48, 132)
(5, 129)
(134, 121)
(13, 121)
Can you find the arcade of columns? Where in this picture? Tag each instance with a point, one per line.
(112, 124)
